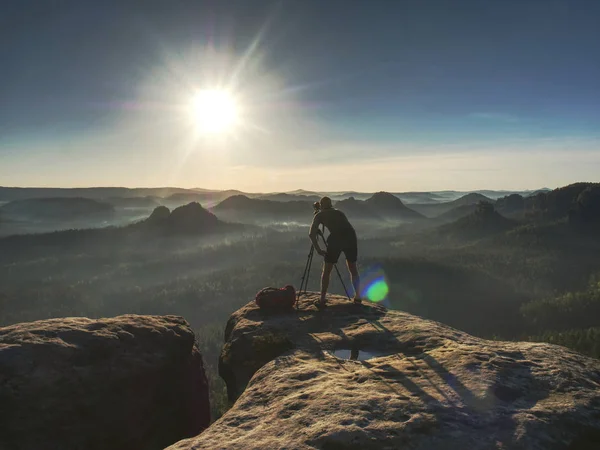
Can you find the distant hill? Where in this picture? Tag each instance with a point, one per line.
(420, 197)
(550, 205)
(512, 206)
(380, 206)
(507, 206)
(495, 195)
(471, 199)
(206, 198)
(182, 198)
(187, 219)
(338, 196)
(450, 196)
(96, 193)
(482, 222)
(456, 213)
(586, 211)
(56, 208)
(134, 202)
(389, 206)
(286, 197)
(556, 203)
(305, 193)
(437, 209)
(532, 193)
(242, 208)
(215, 195)
(357, 209)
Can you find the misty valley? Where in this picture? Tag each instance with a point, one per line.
(499, 265)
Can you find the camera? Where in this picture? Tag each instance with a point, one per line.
(317, 207)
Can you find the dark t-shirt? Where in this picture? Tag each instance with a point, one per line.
(335, 221)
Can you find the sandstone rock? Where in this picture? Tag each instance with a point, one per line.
(422, 385)
(130, 382)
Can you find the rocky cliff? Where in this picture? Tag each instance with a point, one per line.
(368, 378)
(130, 382)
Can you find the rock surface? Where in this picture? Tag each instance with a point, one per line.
(421, 385)
(129, 382)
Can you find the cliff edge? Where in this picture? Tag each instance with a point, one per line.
(369, 378)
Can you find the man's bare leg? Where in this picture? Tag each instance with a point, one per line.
(325, 276)
(353, 269)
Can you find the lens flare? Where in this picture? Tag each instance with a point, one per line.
(377, 290)
(375, 286)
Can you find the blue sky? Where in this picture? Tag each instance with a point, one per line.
(336, 94)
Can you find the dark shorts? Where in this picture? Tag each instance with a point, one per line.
(337, 245)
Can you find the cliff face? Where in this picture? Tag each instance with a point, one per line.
(130, 382)
(410, 383)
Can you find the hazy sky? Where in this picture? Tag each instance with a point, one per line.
(333, 94)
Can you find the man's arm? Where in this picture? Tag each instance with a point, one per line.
(314, 233)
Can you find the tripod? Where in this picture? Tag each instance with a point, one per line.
(306, 273)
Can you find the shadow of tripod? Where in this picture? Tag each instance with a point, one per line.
(306, 273)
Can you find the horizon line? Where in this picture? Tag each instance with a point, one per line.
(291, 191)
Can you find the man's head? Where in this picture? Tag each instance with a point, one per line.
(326, 203)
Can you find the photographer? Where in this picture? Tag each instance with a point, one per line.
(342, 238)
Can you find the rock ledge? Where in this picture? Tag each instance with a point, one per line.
(432, 387)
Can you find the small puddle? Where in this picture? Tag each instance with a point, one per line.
(355, 354)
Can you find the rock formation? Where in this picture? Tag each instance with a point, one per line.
(363, 377)
(192, 218)
(130, 382)
(159, 214)
(187, 219)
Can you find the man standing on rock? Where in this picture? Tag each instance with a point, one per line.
(342, 238)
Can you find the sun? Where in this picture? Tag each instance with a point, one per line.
(215, 111)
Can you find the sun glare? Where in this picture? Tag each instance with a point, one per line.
(215, 111)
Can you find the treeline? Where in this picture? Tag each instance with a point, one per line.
(586, 341)
(570, 310)
(571, 319)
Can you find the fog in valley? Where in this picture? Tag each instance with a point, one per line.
(503, 266)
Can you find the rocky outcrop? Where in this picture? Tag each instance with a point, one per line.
(159, 214)
(192, 218)
(187, 219)
(363, 377)
(130, 382)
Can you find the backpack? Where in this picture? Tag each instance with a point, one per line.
(274, 299)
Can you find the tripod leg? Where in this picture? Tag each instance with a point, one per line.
(305, 274)
(307, 269)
